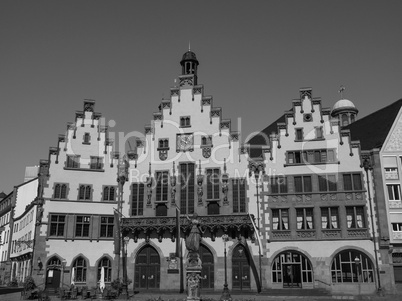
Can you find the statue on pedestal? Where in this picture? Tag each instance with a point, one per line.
(193, 241)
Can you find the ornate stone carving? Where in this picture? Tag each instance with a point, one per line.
(331, 233)
(158, 116)
(186, 80)
(216, 112)
(306, 234)
(193, 285)
(174, 91)
(163, 154)
(395, 204)
(395, 140)
(225, 124)
(206, 152)
(357, 233)
(206, 101)
(234, 136)
(89, 105)
(324, 197)
(197, 90)
(281, 235)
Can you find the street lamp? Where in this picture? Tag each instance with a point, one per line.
(126, 239)
(225, 294)
(367, 166)
(63, 266)
(358, 272)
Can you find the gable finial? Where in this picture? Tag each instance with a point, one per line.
(341, 89)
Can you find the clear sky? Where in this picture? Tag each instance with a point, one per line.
(254, 56)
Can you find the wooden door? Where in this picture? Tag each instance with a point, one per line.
(240, 269)
(207, 274)
(147, 269)
(53, 278)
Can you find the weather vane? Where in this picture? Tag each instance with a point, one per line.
(341, 89)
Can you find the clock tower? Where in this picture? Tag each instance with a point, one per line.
(189, 64)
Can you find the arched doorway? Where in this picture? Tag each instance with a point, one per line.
(240, 269)
(207, 273)
(147, 269)
(292, 270)
(53, 273)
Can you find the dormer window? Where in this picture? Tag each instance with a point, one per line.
(185, 121)
(87, 139)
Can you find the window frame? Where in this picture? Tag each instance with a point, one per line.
(331, 212)
(353, 223)
(162, 186)
(306, 213)
(82, 228)
(392, 187)
(137, 199)
(58, 224)
(59, 194)
(106, 226)
(108, 193)
(185, 121)
(87, 187)
(73, 161)
(303, 184)
(239, 198)
(213, 180)
(283, 219)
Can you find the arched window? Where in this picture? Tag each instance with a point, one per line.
(80, 270)
(345, 120)
(161, 143)
(351, 266)
(106, 264)
(292, 269)
(54, 261)
(57, 190)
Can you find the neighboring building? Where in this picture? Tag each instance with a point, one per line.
(380, 136)
(22, 229)
(75, 236)
(5, 214)
(317, 216)
(189, 158)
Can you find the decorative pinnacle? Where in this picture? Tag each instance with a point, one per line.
(199, 168)
(224, 165)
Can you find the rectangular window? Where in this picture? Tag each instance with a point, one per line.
(327, 183)
(57, 223)
(352, 182)
(280, 219)
(355, 217)
(319, 132)
(299, 134)
(96, 163)
(162, 186)
(311, 156)
(82, 226)
(60, 191)
(85, 192)
(87, 138)
(391, 173)
(106, 229)
(239, 195)
(302, 184)
(109, 193)
(397, 227)
(394, 192)
(73, 161)
(213, 184)
(163, 143)
(206, 140)
(278, 185)
(304, 218)
(137, 199)
(187, 186)
(185, 121)
(329, 218)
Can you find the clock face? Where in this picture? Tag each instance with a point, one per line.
(185, 142)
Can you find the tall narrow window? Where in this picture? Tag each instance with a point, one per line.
(60, 191)
(355, 217)
(299, 134)
(73, 161)
(137, 202)
(239, 195)
(82, 226)
(106, 226)
(213, 184)
(280, 219)
(109, 193)
(187, 179)
(84, 192)
(304, 218)
(394, 192)
(80, 270)
(87, 138)
(329, 218)
(319, 132)
(162, 185)
(106, 264)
